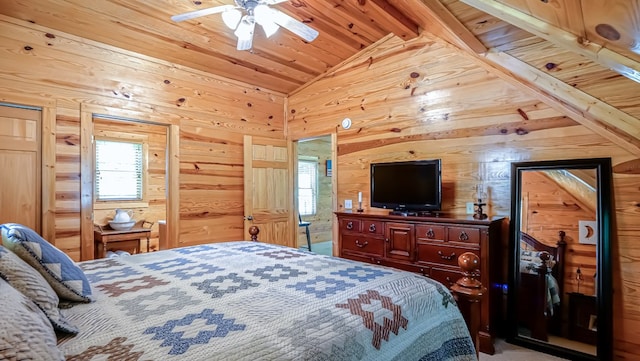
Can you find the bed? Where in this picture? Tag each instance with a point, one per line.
(246, 300)
(541, 286)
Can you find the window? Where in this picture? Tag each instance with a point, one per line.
(307, 185)
(119, 170)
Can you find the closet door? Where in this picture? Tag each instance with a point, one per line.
(20, 159)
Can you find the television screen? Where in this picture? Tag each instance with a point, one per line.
(411, 186)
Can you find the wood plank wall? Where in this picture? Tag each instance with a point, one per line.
(212, 113)
(422, 99)
(413, 100)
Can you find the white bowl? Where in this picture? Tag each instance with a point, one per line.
(121, 226)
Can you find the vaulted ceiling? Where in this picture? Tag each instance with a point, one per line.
(581, 56)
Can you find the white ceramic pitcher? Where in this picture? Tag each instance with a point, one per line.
(122, 215)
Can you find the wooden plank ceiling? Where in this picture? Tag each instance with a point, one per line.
(592, 46)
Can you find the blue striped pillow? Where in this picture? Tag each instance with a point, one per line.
(64, 276)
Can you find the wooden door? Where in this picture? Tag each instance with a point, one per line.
(268, 190)
(20, 195)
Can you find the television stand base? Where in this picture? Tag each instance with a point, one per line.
(403, 213)
(414, 214)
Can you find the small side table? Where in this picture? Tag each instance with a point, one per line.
(105, 235)
(582, 318)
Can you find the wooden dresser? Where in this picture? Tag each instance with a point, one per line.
(430, 246)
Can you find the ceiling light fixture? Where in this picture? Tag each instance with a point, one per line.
(255, 11)
(231, 18)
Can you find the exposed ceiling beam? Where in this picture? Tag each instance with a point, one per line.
(584, 194)
(603, 119)
(448, 23)
(390, 18)
(597, 53)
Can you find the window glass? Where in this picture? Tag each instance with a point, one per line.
(119, 170)
(307, 187)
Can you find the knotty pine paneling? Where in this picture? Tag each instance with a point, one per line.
(213, 114)
(405, 105)
(590, 77)
(211, 184)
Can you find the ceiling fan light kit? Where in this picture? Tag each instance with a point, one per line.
(231, 18)
(255, 11)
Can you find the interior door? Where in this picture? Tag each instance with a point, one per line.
(20, 160)
(268, 189)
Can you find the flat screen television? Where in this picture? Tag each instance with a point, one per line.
(413, 186)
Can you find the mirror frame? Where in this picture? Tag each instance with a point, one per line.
(604, 218)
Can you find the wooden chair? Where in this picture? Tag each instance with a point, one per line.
(306, 229)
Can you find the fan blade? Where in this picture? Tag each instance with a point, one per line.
(297, 27)
(202, 12)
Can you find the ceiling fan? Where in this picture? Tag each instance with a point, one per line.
(243, 16)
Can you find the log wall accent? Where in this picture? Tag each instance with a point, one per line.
(212, 113)
(422, 99)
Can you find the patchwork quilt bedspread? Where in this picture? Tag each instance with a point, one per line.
(255, 301)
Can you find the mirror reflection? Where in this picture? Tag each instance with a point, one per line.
(559, 267)
(557, 301)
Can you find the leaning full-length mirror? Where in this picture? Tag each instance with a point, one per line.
(560, 269)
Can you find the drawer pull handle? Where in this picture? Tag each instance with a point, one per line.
(350, 225)
(372, 227)
(431, 234)
(463, 236)
(358, 244)
(449, 257)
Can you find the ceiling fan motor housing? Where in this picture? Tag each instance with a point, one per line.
(248, 5)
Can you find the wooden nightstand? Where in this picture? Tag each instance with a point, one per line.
(106, 239)
(583, 315)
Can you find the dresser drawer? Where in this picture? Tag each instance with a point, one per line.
(426, 232)
(445, 276)
(411, 267)
(372, 227)
(350, 225)
(363, 244)
(361, 257)
(464, 235)
(440, 254)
